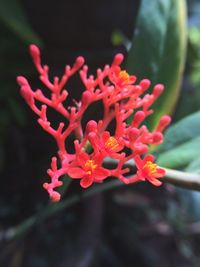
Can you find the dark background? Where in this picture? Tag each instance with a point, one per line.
(127, 226)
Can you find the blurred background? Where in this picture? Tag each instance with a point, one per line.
(121, 226)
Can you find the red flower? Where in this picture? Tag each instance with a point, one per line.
(89, 170)
(120, 97)
(149, 170)
(106, 145)
(111, 143)
(125, 78)
(121, 77)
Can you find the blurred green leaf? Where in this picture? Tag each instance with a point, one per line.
(181, 132)
(158, 50)
(189, 101)
(14, 17)
(182, 144)
(193, 58)
(194, 166)
(118, 38)
(181, 155)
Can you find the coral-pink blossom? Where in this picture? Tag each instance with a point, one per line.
(121, 98)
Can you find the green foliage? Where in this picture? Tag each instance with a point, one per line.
(181, 155)
(182, 144)
(13, 16)
(118, 38)
(158, 50)
(194, 54)
(181, 132)
(194, 165)
(16, 33)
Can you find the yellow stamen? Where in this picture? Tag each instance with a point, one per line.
(150, 167)
(112, 143)
(124, 76)
(90, 166)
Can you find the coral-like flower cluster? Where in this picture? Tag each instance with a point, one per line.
(121, 98)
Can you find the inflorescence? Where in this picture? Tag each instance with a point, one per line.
(121, 98)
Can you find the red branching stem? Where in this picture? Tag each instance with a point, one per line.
(120, 97)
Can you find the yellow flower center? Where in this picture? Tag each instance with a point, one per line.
(112, 143)
(124, 76)
(90, 166)
(150, 167)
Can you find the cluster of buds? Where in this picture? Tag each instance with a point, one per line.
(121, 98)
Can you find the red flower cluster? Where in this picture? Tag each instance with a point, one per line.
(121, 98)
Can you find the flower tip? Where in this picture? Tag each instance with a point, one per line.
(133, 134)
(166, 120)
(46, 186)
(145, 83)
(80, 60)
(157, 138)
(86, 96)
(158, 89)
(118, 59)
(139, 116)
(34, 50)
(21, 80)
(91, 127)
(55, 196)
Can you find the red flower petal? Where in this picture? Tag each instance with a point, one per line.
(86, 181)
(159, 173)
(76, 172)
(154, 181)
(100, 173)
(105, 136)
(82, 158)
(148, 158)
(138, 162)
(98, 158)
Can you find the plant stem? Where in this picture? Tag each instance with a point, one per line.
(183, 179)
(179, 178)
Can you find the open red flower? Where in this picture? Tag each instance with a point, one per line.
(147, 170)
(89, 170)
(121, 77)
(111, 144)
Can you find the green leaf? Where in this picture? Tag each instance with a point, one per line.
(194, 166)
(158, 50)
(14, 17)
(182, 144)
(181, 155)
(181, 132)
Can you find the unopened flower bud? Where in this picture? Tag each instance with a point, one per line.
(145, 83)
(133, 134)
(157, 138)
(163, 123)
(91, 127)
(157, 90)
(86, 97)
(22, 81)
(27, 95)
(118, 59)
(138, 118)
(55, 196)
